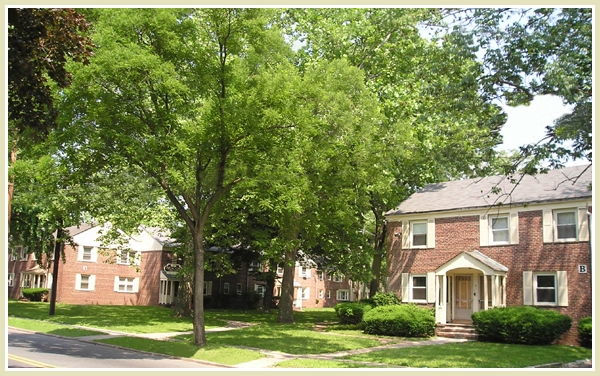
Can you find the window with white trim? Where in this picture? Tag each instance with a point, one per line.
(499, 230)
(338, 277)
(566, 224)
(320, 294)
(343, 295)
(260, 289)
(418, 288)
(306, 293)
(238, 289)
(11, 279)
(85, 282)
(14, 253)
(328, 294)
(23, 254)
(126, 284)
(418, 234)
(226, 288)
(304, 272)
(87, 254)
(544, 286)
(124, 257)
(320, 274)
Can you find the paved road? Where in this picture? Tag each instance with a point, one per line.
(30, 350)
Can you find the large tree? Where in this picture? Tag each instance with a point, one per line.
(186, 96)
(40, 43)
(436, 124)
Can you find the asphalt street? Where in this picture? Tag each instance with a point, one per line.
(31, 350)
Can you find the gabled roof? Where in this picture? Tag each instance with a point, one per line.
(556, 185)
(74, 230)
(473, 260)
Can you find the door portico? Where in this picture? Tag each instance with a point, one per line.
(468, 283)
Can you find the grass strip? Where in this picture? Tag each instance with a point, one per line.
(475, 355)
(50, 328)
(211, 352)
(297, 339)
(320, 363)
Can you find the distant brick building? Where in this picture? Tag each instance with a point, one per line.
(145, 273)
(453, 247)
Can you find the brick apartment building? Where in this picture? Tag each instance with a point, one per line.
(145, 273)
(453, 247)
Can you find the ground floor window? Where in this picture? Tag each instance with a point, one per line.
(328, 294)
(11, 279)
(226, 288)
(306, 293)
(238, 289)
(343, 295)
(419, 288)
(545, 289)
(126, 284)
(207, 289)
(260, 290)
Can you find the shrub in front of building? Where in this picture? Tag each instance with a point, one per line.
(351, 312)
(520, 325)
(584, 331)
(401, 320)
(35, 294)
(384, 299)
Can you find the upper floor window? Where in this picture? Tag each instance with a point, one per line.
(566, 224)
(500, 231)
(23, 253)
(124, 257)
(304, 272)
(87, 254)
(338, 277)
(419, 234)
(320, 275)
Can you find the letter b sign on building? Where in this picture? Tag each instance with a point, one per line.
(582, 268)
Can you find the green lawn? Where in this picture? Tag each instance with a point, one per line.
(475, 355)
(236, 346)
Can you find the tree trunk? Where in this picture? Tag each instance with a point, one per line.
(199, 332)
(286, 303)
(380, 232)
(57, 248)
(11, 183)
(270, 279)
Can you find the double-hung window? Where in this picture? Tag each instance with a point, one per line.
(566, 225)
(306, 293)
(126, 284)
(545, 289)
(11, 279)
(226, 288)
(419, 288)
(87, 254)
(500, 230)
(84, 282)
(419, 234)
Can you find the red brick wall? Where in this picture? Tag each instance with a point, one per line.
(105, 272)
(457, 234)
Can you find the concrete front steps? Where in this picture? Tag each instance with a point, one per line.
(456, 330)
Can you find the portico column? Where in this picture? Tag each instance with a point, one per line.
(485, 293)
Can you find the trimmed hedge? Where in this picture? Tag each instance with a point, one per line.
(402, 320)
(35, 294)
(351, 312)
(520, 324)
(584, 331)
(384, 299)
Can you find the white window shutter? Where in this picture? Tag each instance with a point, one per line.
(77, 281)
(584, 234)
(431, 233)
(116, 283)
(548, 226)
(405, 287)
(80, 253)
(484, 230)
(562, 291)
(431, 287)
(514, 228)
(136, 284)
(307, 294)
(405, 235)
(307, 272)
(95, 254)
(92, 282)
(138, 258)
(527, 288)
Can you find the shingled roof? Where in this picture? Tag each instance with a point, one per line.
(557, 185)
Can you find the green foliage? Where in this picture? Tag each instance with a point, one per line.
(404, 320)
(351, 312)
(35, 294)
(520, 324)
(585, 332)
(383, 299)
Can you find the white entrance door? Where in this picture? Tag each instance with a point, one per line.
(463, 297)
